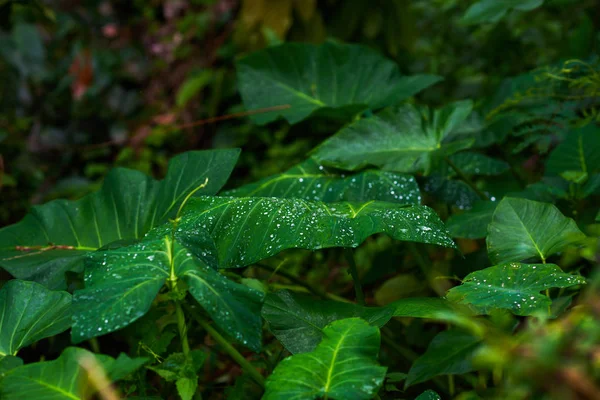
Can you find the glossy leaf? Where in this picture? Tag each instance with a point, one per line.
(311, 77)
(512, 286)
(294, 223)
(55, 237)
(522, 229)
(63, 378)
(312, 181)
(30, 312)
(473, 223)
(493, 10)
(342, 367)
(449, 353)
(297, 321)
(404, 138)
(122, 283)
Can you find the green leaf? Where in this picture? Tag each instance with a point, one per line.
(404, 138)
(342, 367)
(478, 164)
(55, 237)
(182, 370)
(580, 151)
(294, 223)
(449, 353)
(522, 229)
(63, 378)
(312, 181)
(512, 286)
(192, 86)
(450, 191)
(7, 363)
(473, 223)
(30, 312)
(428, 395)
(122, 283)
(493, 10)
(297, 321)
(421, 307)
(311, 77)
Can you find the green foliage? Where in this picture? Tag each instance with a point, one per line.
(494, 10)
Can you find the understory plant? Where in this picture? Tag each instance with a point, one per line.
(499, 301)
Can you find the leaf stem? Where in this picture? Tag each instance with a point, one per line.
(466, 179)
(360, 296)
(185, 344)
(229, 349)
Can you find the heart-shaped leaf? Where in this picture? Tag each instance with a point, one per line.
(449, 353)
(122, 283)
(404, 138)
(294, 223)
(297, 321)
(30, 312)
(64, 378)
(311, 77)
(512, 286)
(312, 181)
(55, 237)
(522, 229)
(342, 367)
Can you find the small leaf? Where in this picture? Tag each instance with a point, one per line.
(312, 181)
(30, 312)
(342, 367)
(579, 152)
(294, 223)
(404, 138)
(479, 164)
(473, 223)
(330, 76)
(428, 395)
(494, 10)
(449, 353)
(512, 286)
(297, 321)
(421, 307)
(522, 229)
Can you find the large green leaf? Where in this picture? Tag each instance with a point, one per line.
(512, 286)
(55, 237)
(297, 321)
(404, 138)
(522, 229)
(30, 312)
(247, 230)
(449, 353)
(342, 367)
(473, 223)
(122, 283)
(311, 77)
(579, 152)
(63, 378)
(494, 10)
(312, 181)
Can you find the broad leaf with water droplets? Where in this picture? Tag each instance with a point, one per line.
(247, 230)
(342, 79)
(121, 284)
(312, 181)
(297, 320)
(512, 286)
(342, 367)
(55, 237)
(522, 229)
(30, 312)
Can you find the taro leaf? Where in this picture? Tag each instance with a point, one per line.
(522, 229)
(7, 363)
(55, 237)
(311, 181)
(493, 10)
(473, 223)
(297, 321)
(512, 286)
(478, 164)
(122, 283)
(404, 138)
(63, 378)
(247, 230)
(30, 312)
(579, 152)
(452, 192)
(342, 367)
(428, 395)
(421, 307)
(326, 77)
(449, 353)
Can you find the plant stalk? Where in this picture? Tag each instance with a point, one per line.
(360, 296)
(466, 179)
(229, 349)
(185, 344)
